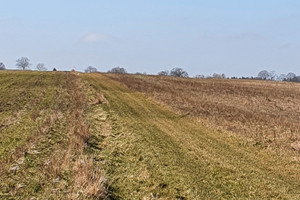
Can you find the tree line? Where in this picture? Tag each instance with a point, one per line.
(271, 75)
(23, 63)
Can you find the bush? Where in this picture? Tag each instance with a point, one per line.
(90, 69)
(118, 70)
(179, 72)
(163, 73)
(2, 66)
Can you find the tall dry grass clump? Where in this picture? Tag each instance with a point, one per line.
(89, 182)
(88, 178)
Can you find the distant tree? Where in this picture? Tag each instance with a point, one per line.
(2, 66)
(220, 76)
(90, 69)
(41, 67)
(54, 69)
(139, 73)
(281, 77)
(200, 76)
(272, 75)
(23, 63)
(264, 75)
(118, 70)
(245, 77)
(296, 79)
(290, 76)
(163, 73)
(179, 72)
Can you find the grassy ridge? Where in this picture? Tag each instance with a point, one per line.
(87, 136)
(265, 112)
(150, 152)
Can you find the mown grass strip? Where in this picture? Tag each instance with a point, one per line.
(154, 153)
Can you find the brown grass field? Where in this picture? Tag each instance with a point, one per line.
(68, 135)
(265, 112)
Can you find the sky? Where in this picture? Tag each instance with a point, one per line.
(238, 38)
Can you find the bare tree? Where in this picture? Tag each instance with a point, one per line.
(90, 69)
(215, 75)
(2, 66)
(41, 67)
(179, 72)
(163, 73)
(281, 77)
(118, 70)
(200, 76)
(264, 75)
(140, 73)
(219, 76)
(296, 79)
(272, 75)
(23, 63)
(290, 76)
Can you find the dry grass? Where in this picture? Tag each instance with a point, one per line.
(62, 133)
(88, 178)
(44, 151)
(267, 113)
(89, 182)
(152, 153)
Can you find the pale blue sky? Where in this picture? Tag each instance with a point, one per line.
(238, 38)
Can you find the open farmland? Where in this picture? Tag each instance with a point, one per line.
(43, 135)
(87, 136)
(264, 112)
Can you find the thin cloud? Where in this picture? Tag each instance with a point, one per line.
(91, 38)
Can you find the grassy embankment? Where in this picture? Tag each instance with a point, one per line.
(151, 152)
(60, 130)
